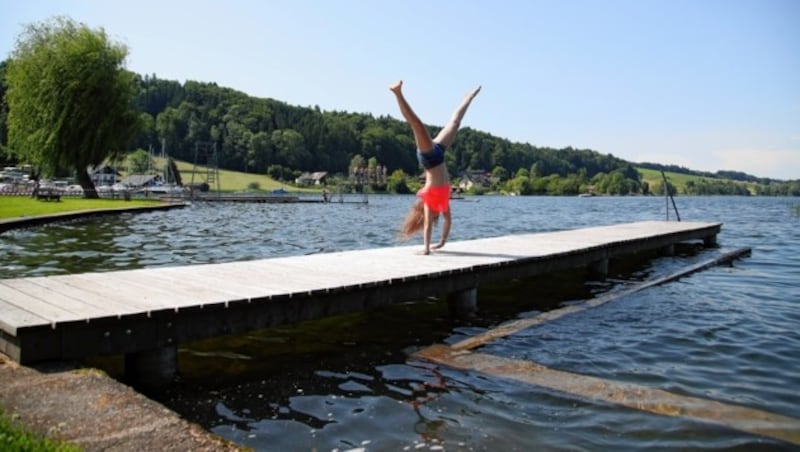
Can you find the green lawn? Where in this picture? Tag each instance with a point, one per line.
(232, 181)
(25, 206)
(679, 180)
(13, 438)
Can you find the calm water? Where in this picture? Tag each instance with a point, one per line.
(729, 333)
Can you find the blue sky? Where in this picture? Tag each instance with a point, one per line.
(706, 84)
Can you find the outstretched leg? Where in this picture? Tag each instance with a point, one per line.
(421, 134)
(447, 135)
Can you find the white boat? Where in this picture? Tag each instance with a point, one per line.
(164, 189)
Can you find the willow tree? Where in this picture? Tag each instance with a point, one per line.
(69, 99)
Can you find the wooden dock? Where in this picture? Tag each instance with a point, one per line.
(247, 198)
(146, 313)
(275, 199)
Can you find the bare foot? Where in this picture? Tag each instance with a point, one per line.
(424, 252)
(396, 87)
(472, 94)
(437, 246)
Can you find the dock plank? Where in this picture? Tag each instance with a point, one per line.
(113, 306)
(197, 276)
(34, 305)
(154, 297)
(372, 265)
(13, 318)
(50, 295)
(196, 291)
(237, 277)
(264, 280)
(126, 302)
(288, 272)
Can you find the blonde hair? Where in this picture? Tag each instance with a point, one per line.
(415, 220)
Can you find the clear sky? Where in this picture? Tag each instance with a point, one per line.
(706, 84)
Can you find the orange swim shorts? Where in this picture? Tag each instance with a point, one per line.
(436, 198)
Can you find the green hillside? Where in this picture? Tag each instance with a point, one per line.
(233, 181)
(683, 182)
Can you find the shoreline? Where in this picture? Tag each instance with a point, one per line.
(87, 408)
(8, 224)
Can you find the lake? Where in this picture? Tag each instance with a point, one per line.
(729, 333)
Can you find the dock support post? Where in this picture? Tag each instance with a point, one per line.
(668, 250)
(463, 303)
(152, 368)
(710, 241)
(598, 269)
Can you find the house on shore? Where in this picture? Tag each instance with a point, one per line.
(473, 180)
(104, 175)
(139, 181)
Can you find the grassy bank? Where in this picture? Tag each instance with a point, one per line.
(679, 180)
(14, 438)
(233, 181)
(25, 206)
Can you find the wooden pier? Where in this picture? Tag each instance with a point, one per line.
(146, 313)
(287, 198)
(248, 198)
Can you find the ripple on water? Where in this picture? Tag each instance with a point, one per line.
(712, 344)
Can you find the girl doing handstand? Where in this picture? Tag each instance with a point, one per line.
(433, 198)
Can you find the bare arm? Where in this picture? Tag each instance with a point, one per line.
(448, 219)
